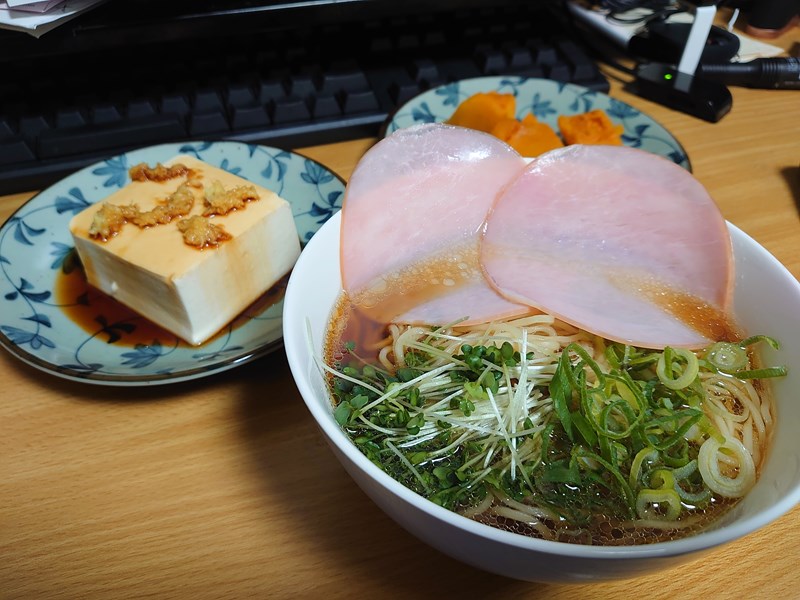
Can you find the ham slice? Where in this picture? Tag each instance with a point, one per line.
(411, 222)
(614, 240)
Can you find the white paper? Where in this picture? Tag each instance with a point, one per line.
(31, 5)
(37, 24)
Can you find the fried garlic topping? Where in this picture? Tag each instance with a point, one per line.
(219, 201)
(108, 221)
(144, 172)
(110, 218)
(178, 204)
(200, 232)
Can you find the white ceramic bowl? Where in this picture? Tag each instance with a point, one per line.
(767, 301)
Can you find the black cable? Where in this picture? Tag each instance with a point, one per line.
(777, 73)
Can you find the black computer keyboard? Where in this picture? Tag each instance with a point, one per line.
(293, 87)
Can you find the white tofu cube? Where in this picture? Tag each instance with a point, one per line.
(192, 292)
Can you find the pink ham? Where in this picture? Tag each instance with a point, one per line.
(411, 222)
(614, 240)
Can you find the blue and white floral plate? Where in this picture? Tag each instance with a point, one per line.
(546, 99)
(36, 248)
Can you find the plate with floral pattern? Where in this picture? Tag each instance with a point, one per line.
(63, 329)
(546, 99)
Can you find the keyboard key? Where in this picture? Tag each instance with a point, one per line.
(352, 81)
(325, 106)
(105, 113)
(492, 62)
(358, 102)
(207, 100)
(582, 67)
(14, 150)
(290, 109)
(498, 31)
(302, 86)
(532, 71)
(454, 69)
(31, 126)
(101, 138)
(559, 71)
(518, 58)
(205, 123)
(6, 128)
(424, 69)
(434, 39)
(187, 88)
(348, 64)
(270, 89)
(175, 104)
(248, 117)
(402, 91)
(70, 117)
(543, 53)
(240, 95)
(139, 108)
(407, 42)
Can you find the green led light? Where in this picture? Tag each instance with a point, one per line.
(668, 76)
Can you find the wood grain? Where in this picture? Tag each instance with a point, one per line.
(223, 487)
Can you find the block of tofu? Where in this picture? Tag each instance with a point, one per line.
(191, 291)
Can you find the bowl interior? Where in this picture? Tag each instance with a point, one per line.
(766, 298)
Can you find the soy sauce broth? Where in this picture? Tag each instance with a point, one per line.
(93, 311)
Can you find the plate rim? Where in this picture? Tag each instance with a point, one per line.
(133, 380)
(384, 131)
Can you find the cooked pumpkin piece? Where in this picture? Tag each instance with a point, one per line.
(483, 110)
(530, 137)
(593, 127)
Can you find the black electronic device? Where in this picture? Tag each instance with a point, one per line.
(668, 76)
(677, 85)
(664, 41)
(662, 83)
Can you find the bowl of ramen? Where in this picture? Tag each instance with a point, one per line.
(546, 445)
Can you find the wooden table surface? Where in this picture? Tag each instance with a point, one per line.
(223, 488)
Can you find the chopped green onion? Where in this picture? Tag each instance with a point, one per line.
(650, 504)
(767, 373)
(648, 454)
(623, 435)
(718, 482)
(666, 368)
(561, 392)
(773, 343)
(727, 357)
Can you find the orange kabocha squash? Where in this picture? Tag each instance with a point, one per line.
(593, 127)
(482, 111)
(529, 137)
